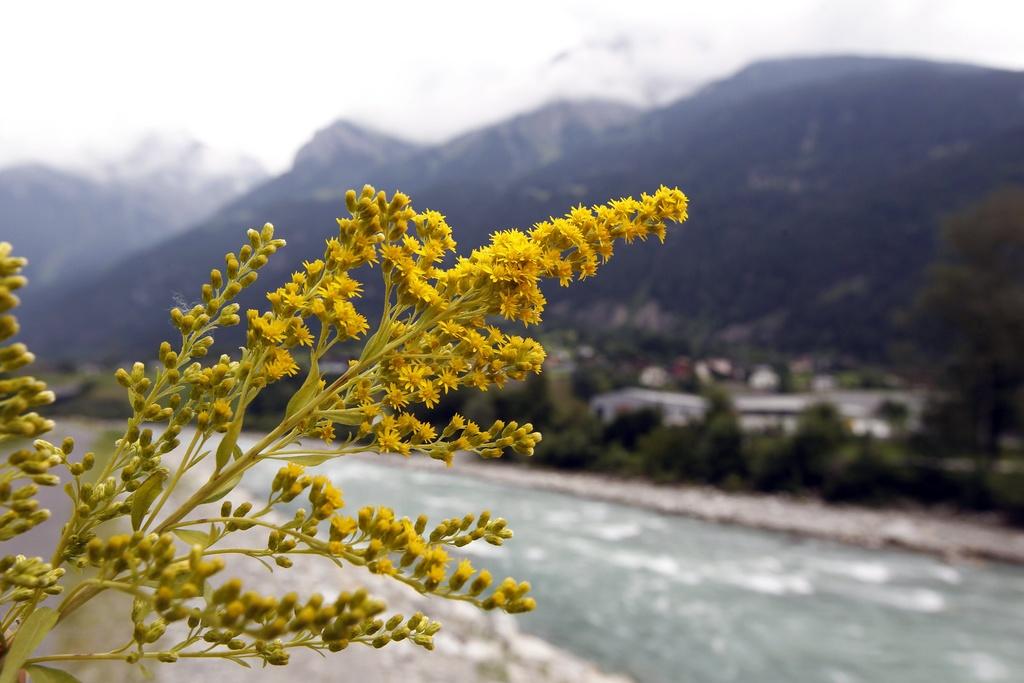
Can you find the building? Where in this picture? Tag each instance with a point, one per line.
(862, 410)
(675, 408)
(764, 378)
(654, 376)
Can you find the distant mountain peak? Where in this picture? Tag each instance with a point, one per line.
(178, 159)
(550, 122)
(600, 112)
(345, 138)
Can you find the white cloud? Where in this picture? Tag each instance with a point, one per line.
(260, 77)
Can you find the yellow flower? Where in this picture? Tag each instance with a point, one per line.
(299, 334)
(279, 364)
(383, 566)
(268, 329)
(342, 287)
(388, 441)
(429, 394)
(425, 432)
(348, 321)
(221, 410)
(342, 526)
(332, 496)
(326, 431)
(396, 397)
(447, 379)
(413, 376)
(478, 379)
(313, 268)
(462, 572)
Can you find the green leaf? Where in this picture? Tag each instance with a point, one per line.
(375, 343)
(224, 489)
(193, 537)
(44, 674)
(309, 388)
(353, 417)
(28, 638)
(240, 662)
(310, 460)
(144, 497)
(229, 444)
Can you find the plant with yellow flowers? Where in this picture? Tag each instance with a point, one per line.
(180, 455)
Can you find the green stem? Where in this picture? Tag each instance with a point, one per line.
(145, 655)
(182, 468)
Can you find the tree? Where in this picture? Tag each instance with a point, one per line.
(628, 427)
(975, 296)
(720, 447)
(820, 433)
(896, 414)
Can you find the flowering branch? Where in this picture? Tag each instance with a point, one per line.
(433, 337)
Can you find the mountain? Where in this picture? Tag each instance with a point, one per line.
(182, 176)
(774, 75)
(346, 154)
(303, 202)
(499, 154)
(338, 156)
(812, 202)
(817, 186)
(74, 221)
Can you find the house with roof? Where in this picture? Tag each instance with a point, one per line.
(862, 410)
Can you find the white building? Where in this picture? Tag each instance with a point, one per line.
(763, 378)
(654, 376)
(675, 408)
(763, 412)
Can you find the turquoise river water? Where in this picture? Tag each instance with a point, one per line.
(668, 599)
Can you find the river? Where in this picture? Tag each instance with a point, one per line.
(668, 599)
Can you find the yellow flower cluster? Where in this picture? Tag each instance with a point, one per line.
(506, 274)
(437, 334)
(398, 547)
(434, 335)
(242, 624)
(26, 469)
(18, 395)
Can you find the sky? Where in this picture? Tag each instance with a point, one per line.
(80, 80)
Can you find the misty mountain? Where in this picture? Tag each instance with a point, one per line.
(816, 203)
(499, 154)
(346, 154)
(337, 157)
(70, 222)
(303, 203)
(818, 187)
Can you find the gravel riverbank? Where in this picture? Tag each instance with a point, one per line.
(952, 537)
